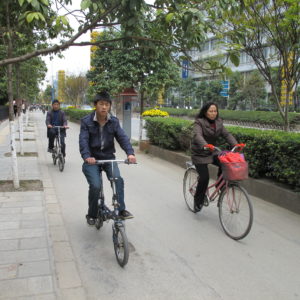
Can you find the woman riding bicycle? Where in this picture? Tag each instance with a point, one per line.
(208, 127)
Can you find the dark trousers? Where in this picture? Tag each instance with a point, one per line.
(203, 180)
(52, 132)
(93, 174)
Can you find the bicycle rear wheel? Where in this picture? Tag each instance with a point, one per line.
(235, 211)
(120, 245)
(190, 182)
(61, 163)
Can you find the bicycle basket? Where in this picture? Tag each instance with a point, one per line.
(235, 170)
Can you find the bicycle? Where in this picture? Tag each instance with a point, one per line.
(234, 204)
(119, 236)
(57, 153)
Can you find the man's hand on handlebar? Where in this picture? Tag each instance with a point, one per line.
(90, 160)
(131, 159)
(49, 126)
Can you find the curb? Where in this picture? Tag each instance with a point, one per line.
(261, 188)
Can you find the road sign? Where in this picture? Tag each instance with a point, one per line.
(185, 69)
(225, 90)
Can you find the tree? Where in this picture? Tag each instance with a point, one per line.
(47, 94)
(247, 92)
(254, 91)
(269, 32)
(186, 91)
(117, 68)
(75, 89)
(209, 91)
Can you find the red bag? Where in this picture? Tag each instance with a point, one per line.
(226, 157)
(234, 166)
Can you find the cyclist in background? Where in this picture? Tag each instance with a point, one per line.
(56, 117)
(96, 142)
(208, 127)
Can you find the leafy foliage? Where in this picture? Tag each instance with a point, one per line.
(271, 154)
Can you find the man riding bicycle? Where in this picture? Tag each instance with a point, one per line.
(96, 142)
(56, 117)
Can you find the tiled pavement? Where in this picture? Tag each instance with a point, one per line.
(36, 258)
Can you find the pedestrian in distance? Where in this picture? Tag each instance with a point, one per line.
(56, 117)
(96, 142)
(208, 127)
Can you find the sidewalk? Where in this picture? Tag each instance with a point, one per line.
(36, 259)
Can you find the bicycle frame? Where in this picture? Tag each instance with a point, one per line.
(58, 140)
(120, 240)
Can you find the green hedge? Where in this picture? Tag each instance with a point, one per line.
(272, 154)
(169, 133)
(76, 114)
(262, 117)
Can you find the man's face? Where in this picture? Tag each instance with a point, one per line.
(55, 106)
(102, 108)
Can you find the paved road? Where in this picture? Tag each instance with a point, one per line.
(175, 254)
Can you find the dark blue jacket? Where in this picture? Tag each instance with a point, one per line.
(100, 145)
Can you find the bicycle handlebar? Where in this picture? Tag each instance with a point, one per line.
(60, 127)
(118, 161)
(219, 150)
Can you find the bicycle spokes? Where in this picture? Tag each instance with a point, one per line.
(235, 211)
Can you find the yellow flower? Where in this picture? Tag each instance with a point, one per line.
(155, 113)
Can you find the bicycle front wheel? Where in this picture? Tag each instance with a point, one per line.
(190, 182)
(54, 158)
(61, 163)
(235, 211)
(121, 245)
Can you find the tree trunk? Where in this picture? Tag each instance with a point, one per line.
(11, 110)
(286, 113)
(27, 116)
(141, 115)
(21, 133)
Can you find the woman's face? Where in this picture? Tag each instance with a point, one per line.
(212, 112)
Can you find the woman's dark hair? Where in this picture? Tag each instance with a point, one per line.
(205, 108)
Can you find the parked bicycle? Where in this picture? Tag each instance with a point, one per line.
(119, 236)
(57, 154)
(234, 204)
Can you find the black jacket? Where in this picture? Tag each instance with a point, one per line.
(62, 121)
(97, 143)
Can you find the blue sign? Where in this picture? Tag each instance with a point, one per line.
(225, 90)
(185, 69)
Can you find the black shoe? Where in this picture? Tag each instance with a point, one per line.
(125, 214)
(197, 207)
(91, 221)
(206, 201)
(50, 150)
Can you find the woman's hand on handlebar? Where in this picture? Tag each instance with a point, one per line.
(209, 147)
(239, 147)
(90, 160)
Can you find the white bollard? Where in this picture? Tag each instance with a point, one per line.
(14, 155)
